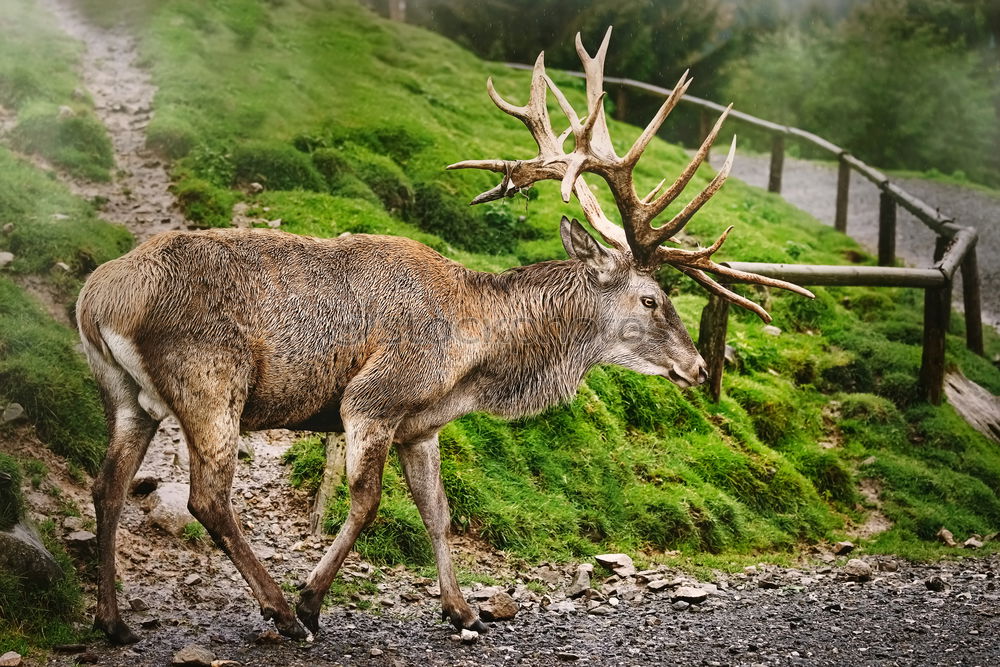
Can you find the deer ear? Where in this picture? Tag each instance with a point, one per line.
(581, 245)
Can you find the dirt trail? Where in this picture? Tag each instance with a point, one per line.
(812, 186)
(138, 195)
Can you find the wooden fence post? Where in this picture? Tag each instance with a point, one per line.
(777, 162)
(936, 314)
(941, 244)
(886, 229)
(334, 472)
(712, 341)
(843, 190)
(971, 299)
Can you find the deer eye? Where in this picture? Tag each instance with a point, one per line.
(648, 301)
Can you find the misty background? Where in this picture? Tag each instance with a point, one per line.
(902, 84)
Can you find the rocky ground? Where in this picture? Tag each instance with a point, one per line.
(179, 590)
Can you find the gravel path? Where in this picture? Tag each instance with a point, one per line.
(812, 187)
(812, 616)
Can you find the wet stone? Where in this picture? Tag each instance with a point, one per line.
(500, 607)
(10, 659)
(194, 655)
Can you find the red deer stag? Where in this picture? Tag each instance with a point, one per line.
(383, 338)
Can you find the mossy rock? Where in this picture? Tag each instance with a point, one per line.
(204, 204)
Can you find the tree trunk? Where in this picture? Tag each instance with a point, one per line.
(333, 475)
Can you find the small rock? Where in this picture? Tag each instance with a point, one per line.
(138, 604)
(225, 663)
(65, 112)
(255, 188)
(245, 451)
(194, 655)
(82, 543)
(857, 570)
(581, 580)
(375, 652)
(6, 258)
(974, 542)
(469, 636)
(192, 580)
(73, 523)
(274, 224)
(680, 605)
(10, 659)
(657, 585)
(410, 596)
(168, 507)
(620, 564)
(149, 622)
(771, 330)
(8, 228)
(653, 620)
(562, 607)
(689, 594)
(945, 536)
(268, 637)
(567, 656)
(843, 548)
(13, 411)
(62, 266)
(935, 584)
(87, 658)
(500, 607)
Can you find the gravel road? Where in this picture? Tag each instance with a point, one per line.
(810, 616)
(812, 187)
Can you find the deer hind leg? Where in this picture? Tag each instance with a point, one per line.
(421, 462)
(212, 441)
(131, 431)
(368, 443)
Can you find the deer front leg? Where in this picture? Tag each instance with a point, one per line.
(368, 443)
(421, 462)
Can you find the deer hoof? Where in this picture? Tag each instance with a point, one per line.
(292, 629)
(117, 632)
(461, 624)
(310, 619)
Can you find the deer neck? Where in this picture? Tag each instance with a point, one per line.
(546, 332)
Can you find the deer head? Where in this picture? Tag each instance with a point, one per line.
(637, 246)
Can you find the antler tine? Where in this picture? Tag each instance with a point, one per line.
(609, 231)
(652, 237)
(593, 68)
(661, 115)
(714, 287)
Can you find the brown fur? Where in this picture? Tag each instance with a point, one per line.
(381, 337)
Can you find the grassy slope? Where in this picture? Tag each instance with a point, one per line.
(632, 462)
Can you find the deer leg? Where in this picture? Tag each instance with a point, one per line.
(212, 443)
(421, 462)
(368, 443)
(131, 431)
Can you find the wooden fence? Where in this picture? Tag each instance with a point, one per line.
(955, 249)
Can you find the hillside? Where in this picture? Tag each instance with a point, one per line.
(347, 121)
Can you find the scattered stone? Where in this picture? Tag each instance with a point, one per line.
(857, 570)
(547, 574)
(23, 554)
(657, 585)
(375, 652)
(567, 656)
(500, 607)
(274, 224)
(149, 622)
(945, 536)
(268, 637)
(689, 594)
(225, 663)
(62, 266)
(486, 592)
(8, 228)
(65, 112)
(680, 605)
(192, 580)
(620, 564)
(6, 258)
(167, 507)
(82, 543)
(771, 330)
(768, 581)
(974, 542)
(13, 411)
(581, 580)
(653, 620)
(194, 655)
(255, 188)
(72, 523)
(245, 451)
(843, 548)
(935, 584)
(87, 658)
(10, 659)
(562, 607)
(410, 596)
(469, 636)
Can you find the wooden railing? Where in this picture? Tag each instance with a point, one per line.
(955, 249)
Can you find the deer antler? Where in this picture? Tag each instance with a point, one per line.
(594, 153)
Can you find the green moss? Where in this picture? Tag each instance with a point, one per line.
(170, 136)
(76, 141)
(276, 166)
(204, 204)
